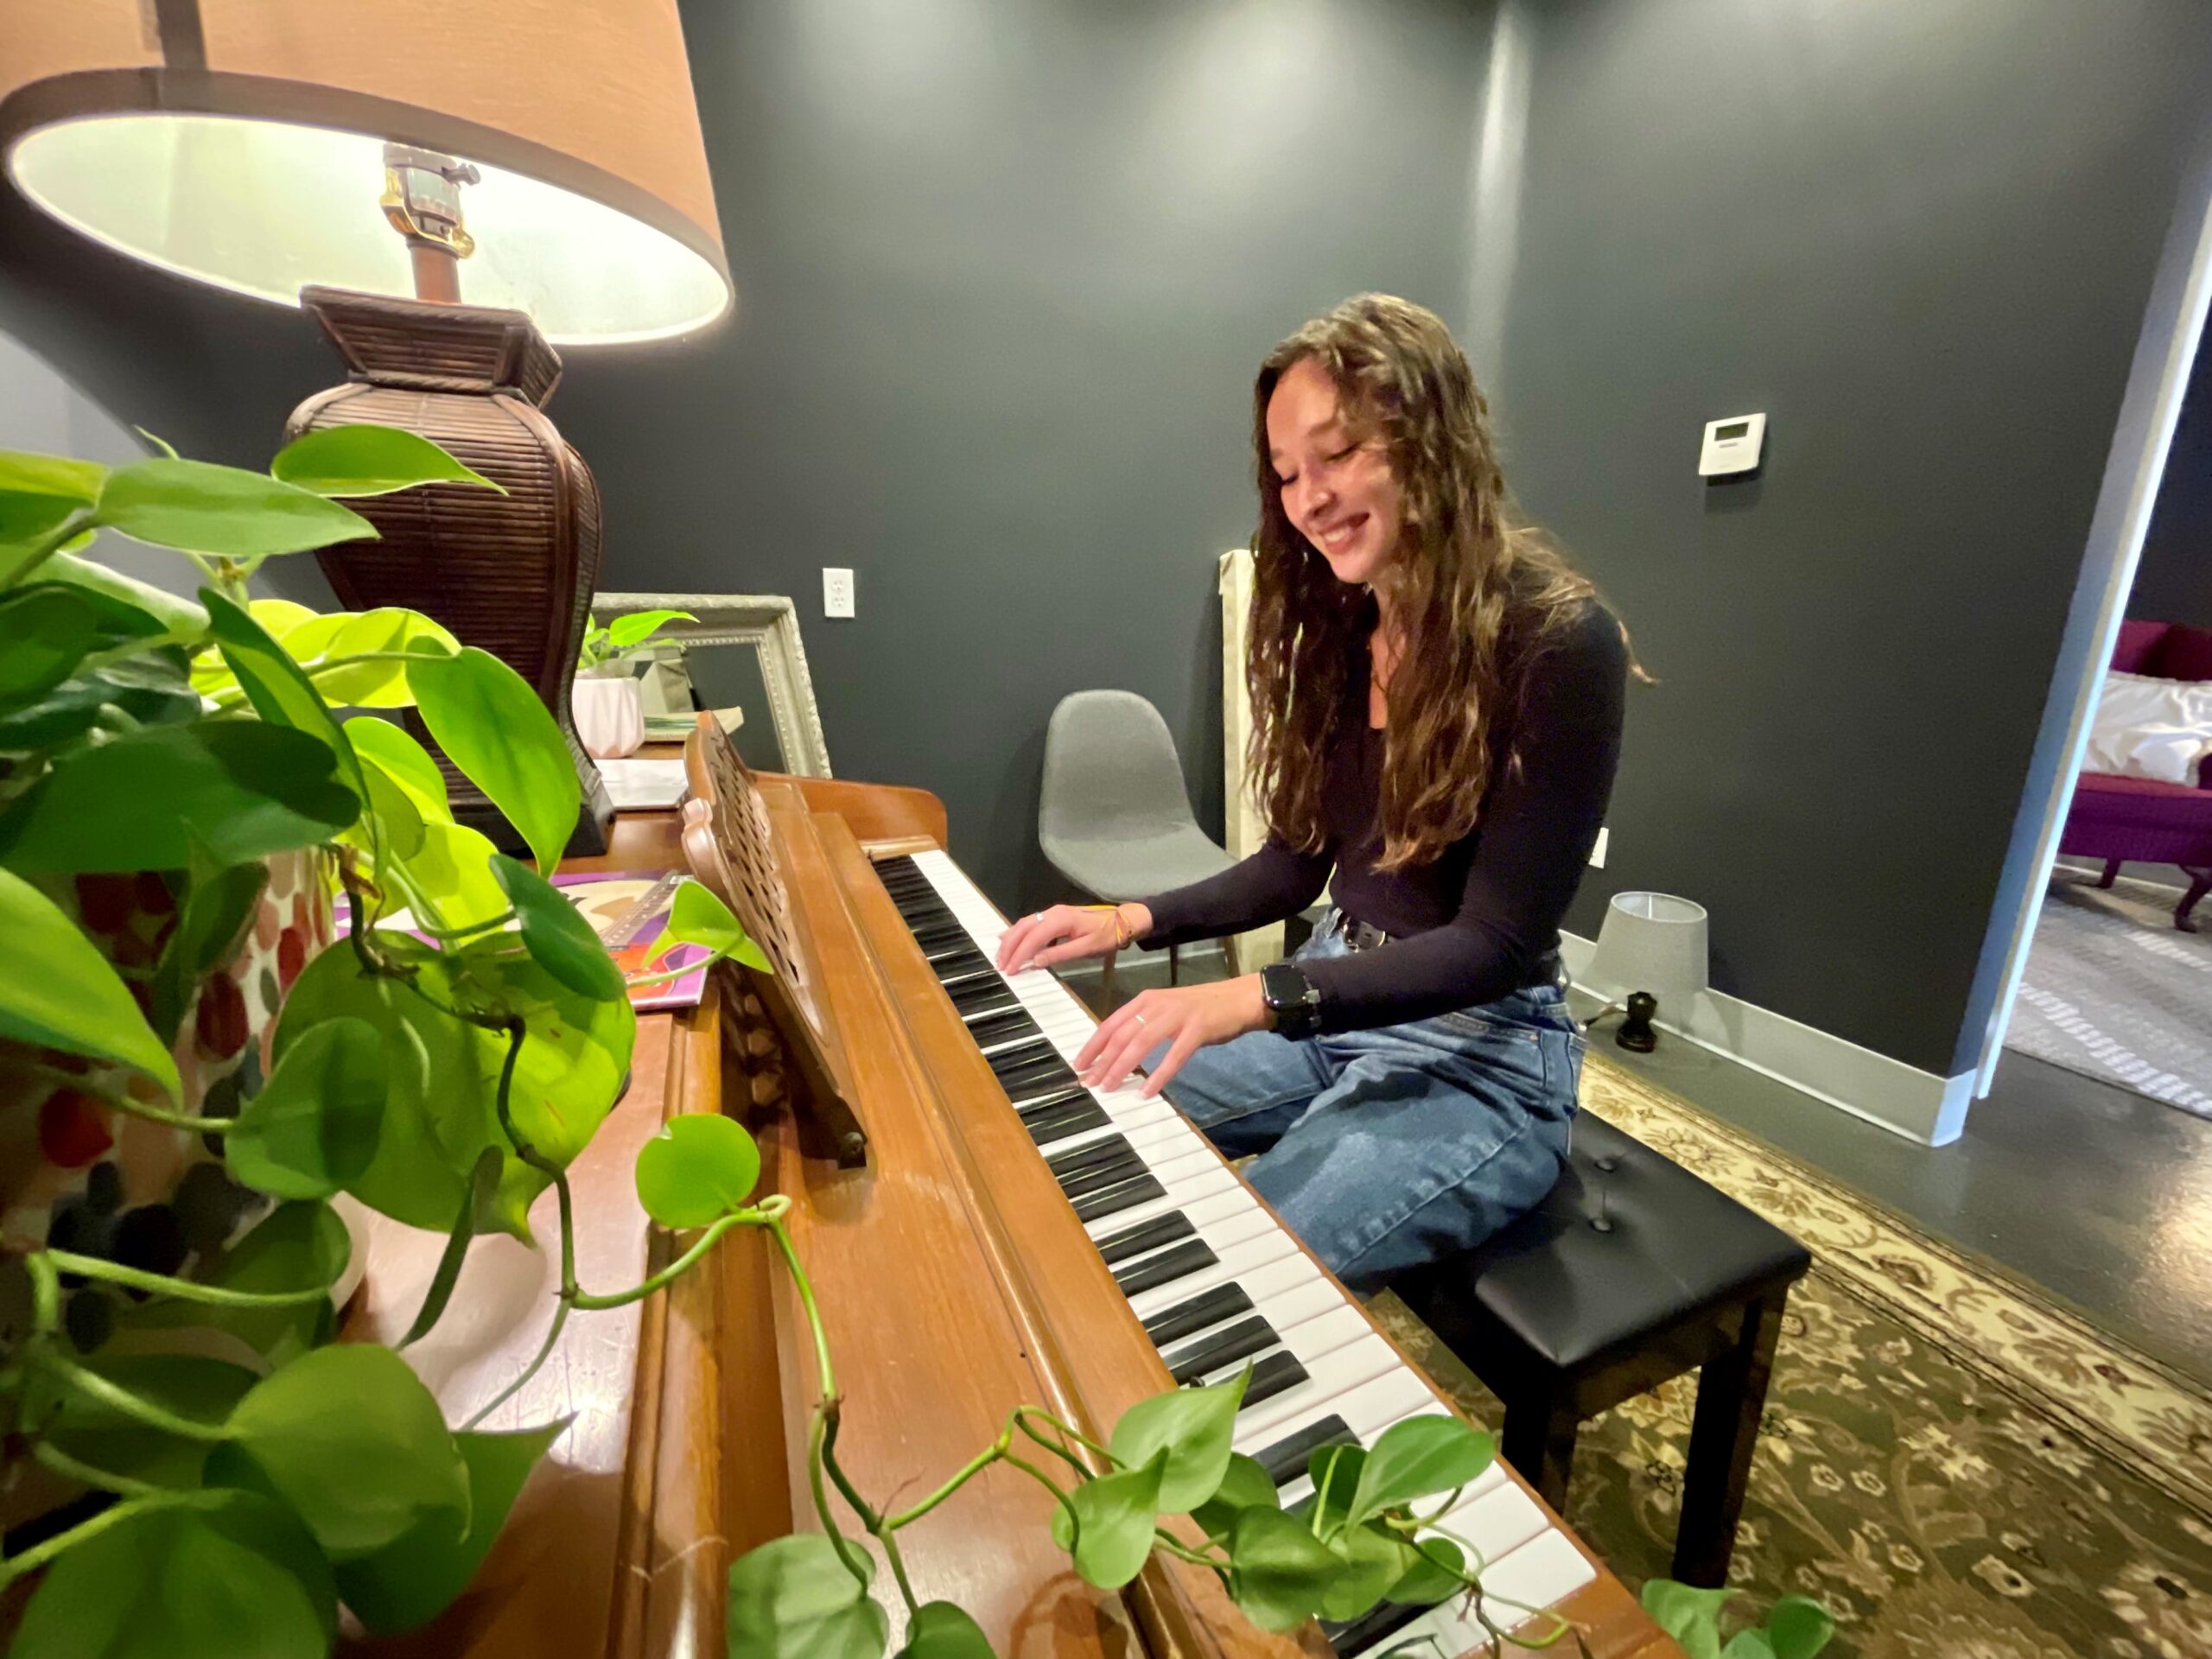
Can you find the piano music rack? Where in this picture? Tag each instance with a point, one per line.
(729, 842)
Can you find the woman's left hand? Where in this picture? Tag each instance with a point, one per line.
(1186, 1019)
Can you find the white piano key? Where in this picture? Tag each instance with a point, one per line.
(1367, 1410)
(1491, 1522)
(1248, 1263)
(1352, 1373)
(1169, 1132)
(1300, 1306)
(1177, 1171)
(1335, 1373)
(1219, 1180)
(1312, 1342)
(1542, 1573)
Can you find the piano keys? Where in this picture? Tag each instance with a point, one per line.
(1215, 1281)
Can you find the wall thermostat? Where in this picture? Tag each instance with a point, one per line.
(1732, 445)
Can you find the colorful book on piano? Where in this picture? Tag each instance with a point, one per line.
(629, 911)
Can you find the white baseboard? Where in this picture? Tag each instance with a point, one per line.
(1903, 1099)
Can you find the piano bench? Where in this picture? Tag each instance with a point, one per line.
(1631, 1271)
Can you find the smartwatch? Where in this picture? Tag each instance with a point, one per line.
(1291, 997)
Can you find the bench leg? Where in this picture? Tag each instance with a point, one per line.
(1106, 985)
(2200, 882)
(1731, 1396)
(1174, 964)
(2110, 874)
(1539, 1442)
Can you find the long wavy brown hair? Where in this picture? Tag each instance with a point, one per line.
(1476, 592)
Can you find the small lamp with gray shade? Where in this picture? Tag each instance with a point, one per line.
(1650, 955)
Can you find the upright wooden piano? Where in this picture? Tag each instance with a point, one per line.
(1006, 1238)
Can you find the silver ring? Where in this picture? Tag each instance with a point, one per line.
(1138, 1018)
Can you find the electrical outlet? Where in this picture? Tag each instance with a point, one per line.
(836, 592)
(1597, 852)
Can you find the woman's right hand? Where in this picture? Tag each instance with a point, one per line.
(1067, 933)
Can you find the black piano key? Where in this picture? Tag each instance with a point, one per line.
(1165, 1267)
(1286, 1460)
(1146, 1236)
(1114, 1200)
(1023, 1072)
(1028, 1069)
(1060, 1113)
(1222, 1302)
(982, 995)
(991, 1029)
(931, 934)
(1104, 1150)
(1030, 1105)
(1274, 1373)
(963, 972)
(1241, 1341)
(1036, 1051)
(1358, 1635)
(1045, 1133)
(1085, 1182)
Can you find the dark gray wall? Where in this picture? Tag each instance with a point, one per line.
(2173, 583)
(1006, 271)
(1920, 235)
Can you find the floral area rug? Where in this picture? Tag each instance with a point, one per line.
(1954, 1465)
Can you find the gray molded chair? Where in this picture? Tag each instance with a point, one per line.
(1115, 816)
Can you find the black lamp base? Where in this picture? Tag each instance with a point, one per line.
(1636, 1033)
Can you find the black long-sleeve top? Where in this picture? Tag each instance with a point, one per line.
(1471, 927)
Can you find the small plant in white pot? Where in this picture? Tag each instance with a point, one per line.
(610, 716)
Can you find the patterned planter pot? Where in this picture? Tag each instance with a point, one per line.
(85, 1177)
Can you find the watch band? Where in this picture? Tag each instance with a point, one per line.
(1293, 1000)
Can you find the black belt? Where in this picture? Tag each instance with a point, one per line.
(1550, 969)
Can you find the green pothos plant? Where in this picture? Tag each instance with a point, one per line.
(615, 642)
(241, 1479)
(444, 1074)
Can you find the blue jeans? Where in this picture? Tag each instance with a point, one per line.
(1384, 1149)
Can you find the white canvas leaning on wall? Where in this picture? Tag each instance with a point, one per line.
(1243, 828)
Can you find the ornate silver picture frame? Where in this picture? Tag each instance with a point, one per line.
(769, 624)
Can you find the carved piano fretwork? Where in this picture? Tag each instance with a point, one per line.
(783, 1039)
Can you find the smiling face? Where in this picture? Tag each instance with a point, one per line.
(1337, 490)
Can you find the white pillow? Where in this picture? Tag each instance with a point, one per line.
(2147, 727)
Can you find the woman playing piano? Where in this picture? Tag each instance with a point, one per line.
(1436, 715)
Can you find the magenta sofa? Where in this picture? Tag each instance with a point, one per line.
(2119, 818)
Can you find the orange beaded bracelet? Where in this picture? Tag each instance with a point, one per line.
(1124, 935)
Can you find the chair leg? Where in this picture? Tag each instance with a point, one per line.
(1174, 964)
(2200, 883)
(1731, 1396)
(2112, 873)
(1539, 1442)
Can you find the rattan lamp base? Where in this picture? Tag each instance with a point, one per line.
(513, 574)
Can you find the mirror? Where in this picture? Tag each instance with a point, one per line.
(741, 659)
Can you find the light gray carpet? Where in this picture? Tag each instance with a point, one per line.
(2113, 990)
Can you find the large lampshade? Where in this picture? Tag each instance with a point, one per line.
(241, 142)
